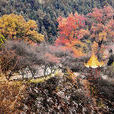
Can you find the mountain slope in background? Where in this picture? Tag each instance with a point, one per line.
(46, 12)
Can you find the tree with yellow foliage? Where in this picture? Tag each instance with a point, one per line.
(15, 27)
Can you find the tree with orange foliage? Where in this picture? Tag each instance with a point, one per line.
(71, 30)
(16, 27)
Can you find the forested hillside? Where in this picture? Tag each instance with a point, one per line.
(46, 12)
(56, 57)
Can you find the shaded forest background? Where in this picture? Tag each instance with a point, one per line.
(46, 12)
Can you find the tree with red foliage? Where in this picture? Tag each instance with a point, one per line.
(102, 24)
(71, 30)
(70, 27)
(101, 27)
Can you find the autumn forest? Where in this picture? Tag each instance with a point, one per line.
(56, 56)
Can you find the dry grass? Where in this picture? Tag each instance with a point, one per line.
(10, 95)
(12, 92)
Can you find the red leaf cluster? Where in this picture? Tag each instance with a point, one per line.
(69, 28)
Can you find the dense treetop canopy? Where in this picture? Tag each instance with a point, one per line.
(46, 12)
